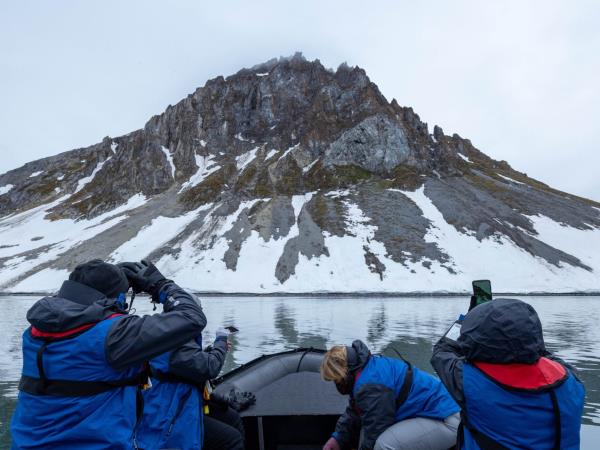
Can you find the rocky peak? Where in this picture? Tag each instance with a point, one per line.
(287, 163)
(332, 127)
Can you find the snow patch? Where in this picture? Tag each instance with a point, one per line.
(243, 160)
(335, 272)
(288, 151)
(206, 166)
(307, 168)
(199, 257)
(465, 158)
(202, 142)
(298, 202)
(62, 177)
(83, 181)
(35, 174)
(262, 74)
(46, 280)
(499, 258)
(239, 137)
(113, 147)
(6, 189)
(167, 153)
(583, 244)
(21, 233)
(160, 231)
(271, 153)
(338, 193)
(509, 179)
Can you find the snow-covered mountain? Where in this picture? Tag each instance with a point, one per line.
(288, 177)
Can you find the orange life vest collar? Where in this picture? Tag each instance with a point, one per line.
(37, 333)
(543, 374)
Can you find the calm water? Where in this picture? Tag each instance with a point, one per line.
(411, 325)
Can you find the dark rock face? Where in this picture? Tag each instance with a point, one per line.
(376, 144)
(263, 137)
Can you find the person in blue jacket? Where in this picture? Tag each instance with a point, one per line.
(392, 404)
(514, 394)
(83, 356)
(173, 408)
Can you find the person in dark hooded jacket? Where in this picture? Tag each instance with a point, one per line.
(83, 356)
(173, 409)
(392, 405)
(514, 394)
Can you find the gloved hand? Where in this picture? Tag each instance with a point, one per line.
(331, 444)
(222, 334)
(241, 400)
(143, 277)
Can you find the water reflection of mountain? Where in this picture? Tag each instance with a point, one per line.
(415, 350)
(409, 325)
(377, 325)
(285, 323)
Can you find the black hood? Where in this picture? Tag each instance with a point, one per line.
(73, 306)
(358, 355)
(502, 331)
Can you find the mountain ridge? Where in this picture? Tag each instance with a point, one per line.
(291, 160)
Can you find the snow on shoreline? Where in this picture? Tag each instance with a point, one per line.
(198, 260)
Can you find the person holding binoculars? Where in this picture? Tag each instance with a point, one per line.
(83, 356)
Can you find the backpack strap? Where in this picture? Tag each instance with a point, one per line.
(407, 383)
(557, 423)
(169, 377)
(70, 388)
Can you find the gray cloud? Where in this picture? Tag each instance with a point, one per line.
(517, 78)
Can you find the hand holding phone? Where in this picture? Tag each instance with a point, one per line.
(482, 293)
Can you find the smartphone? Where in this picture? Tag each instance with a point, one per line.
(482, 293)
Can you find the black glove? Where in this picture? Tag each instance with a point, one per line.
(241, 400)
(143, 277)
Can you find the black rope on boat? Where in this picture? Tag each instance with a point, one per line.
(302, 357)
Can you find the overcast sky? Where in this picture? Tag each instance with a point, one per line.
(521, 79)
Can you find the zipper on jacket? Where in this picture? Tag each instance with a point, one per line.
(182, 403)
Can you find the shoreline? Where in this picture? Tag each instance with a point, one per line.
(349, 294)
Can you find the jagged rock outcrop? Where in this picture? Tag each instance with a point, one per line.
(292, 177)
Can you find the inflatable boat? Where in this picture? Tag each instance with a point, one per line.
(295, 409)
